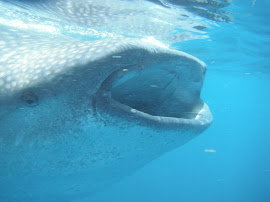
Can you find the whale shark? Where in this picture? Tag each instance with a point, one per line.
(77, 112)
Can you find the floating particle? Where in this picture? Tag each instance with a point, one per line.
(253, 3)
(210, 150)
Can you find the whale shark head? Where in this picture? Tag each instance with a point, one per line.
(77, 115)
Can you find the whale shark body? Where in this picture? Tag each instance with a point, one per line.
(78, 113)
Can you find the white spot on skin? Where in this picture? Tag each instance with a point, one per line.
(9, 78)
(2, 74)
(117, 56)
(13, 84)
(8, 86)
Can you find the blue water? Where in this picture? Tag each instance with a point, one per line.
(237, 89)
(239, 170)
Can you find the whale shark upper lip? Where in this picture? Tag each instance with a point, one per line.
(149, 95)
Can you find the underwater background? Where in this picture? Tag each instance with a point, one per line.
(229, 162)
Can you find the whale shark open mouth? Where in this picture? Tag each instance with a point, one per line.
(165, 93)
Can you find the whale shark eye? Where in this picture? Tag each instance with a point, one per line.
(30, 99)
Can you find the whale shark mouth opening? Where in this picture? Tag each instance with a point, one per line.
(154, 92)
(158, 93)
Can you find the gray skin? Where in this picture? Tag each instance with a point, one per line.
(76, 115)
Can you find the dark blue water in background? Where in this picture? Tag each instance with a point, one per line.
(237, 89)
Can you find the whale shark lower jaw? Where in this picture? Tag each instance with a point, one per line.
(160, 89)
